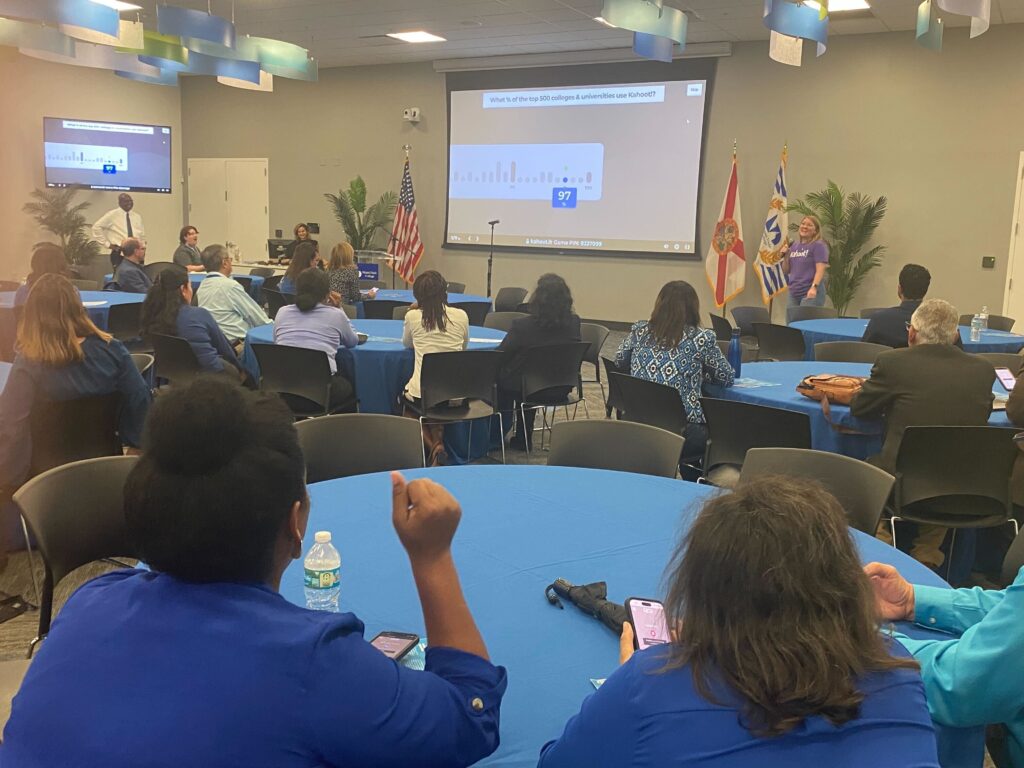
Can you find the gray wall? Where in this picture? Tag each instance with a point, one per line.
(34, 89)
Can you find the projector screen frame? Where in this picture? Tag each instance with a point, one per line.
(114, 188)
(579, 75)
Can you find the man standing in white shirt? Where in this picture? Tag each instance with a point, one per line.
(234, 310)
(116, 226)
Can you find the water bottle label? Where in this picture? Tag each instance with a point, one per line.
(322, 579)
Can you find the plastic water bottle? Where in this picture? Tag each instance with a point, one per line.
(735, 356)
(976, 328)
(322, 574)
(984, 318)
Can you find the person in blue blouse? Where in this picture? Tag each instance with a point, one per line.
(671, 348)
(168, 310)
(306, 256)
(62, 356)
(776, 659)
(47, 259)
(201, 662)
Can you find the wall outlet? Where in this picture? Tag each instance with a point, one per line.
(412, 114)
(988, 262)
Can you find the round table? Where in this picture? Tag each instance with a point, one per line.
(97, 304)
(852, 329)
(380, 369)
(405, 296)
(196, 278)
(774, 384)
(522, 527)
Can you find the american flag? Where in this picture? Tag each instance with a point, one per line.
(406, 246)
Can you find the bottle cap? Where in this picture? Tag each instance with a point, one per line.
(322, 537)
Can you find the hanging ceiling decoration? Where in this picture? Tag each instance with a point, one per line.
(656, 28)
(929, 24)
(87, 33)
(791, 24)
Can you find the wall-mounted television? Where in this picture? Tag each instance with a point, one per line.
(96, 154)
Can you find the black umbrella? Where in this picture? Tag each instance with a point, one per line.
(591, 599)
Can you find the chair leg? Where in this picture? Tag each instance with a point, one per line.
(423, 445)
(501, 432)
(31, 564)
(469, 448)
(604, 397)
(949, 553)
(527, 438)
(586, 409)
(892, 529)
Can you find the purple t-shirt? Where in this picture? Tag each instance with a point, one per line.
(803, 257)
(323, 327)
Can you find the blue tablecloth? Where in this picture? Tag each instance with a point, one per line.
(197, 277)
(522, 527)
(102, 300)
(782, 379)
(380, 369)
(851, 329)
(406, 296)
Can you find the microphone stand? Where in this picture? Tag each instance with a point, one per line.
(490, 259)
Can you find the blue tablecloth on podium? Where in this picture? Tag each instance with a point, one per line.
(522, 527)
(406, 296)
(380, 369)
(774, 384)
(852, 329)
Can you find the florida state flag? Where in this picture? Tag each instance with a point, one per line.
(726, 265)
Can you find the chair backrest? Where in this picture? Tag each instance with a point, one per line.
(358, 443)
(1014, 560)
(275, 300)
(995, 322)
(735, 427)
(302, 377)
(477, 311)
(869, 312)
(271, 281)
(745, 318)
(154, 268)
(617, 445)
(399, 313)
(262, 272)
(470, 373)
(779, 342)
(71, 430)
(456, 287)
(381, 309)
(502, 321)
(551, 367)
(124, 321)
(595, 335)
(86, 285)
(175, 360)
(351, 312)
(615, 399)
(509, 299)
(862, 489)
(244, 280)
(848, 351)
(722, 327)
(795, 314)
(647, 402)
(75, 513)
(966, 469)
(1003, 360)
(143, 362)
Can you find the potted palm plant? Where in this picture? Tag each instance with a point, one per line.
(848, 223)
(363, 226)
(54, 210)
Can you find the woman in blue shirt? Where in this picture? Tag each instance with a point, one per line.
(168, 310)
(62, 356)
(47, 259)
(671, 348)
(201, 662)
(776, 661)
(306, 256)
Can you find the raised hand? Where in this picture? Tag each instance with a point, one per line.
(425, 516)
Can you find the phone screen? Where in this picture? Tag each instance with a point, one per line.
(394, 645)
(1006, 378)
(648, 622)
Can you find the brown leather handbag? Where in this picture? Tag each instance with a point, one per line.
(828, 388)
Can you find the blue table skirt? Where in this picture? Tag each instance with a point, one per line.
(851, 329)
(98, 313)
(824, 437)
(380, 369)
(197, 277)
(522, 527)
(406, 296)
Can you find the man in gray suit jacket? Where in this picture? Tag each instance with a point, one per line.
(929, 383)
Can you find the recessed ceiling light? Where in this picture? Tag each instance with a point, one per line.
(602, 20)
(418, 36)
(838, 6)
(117, 5)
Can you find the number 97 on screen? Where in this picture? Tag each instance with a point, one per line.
(563, 197)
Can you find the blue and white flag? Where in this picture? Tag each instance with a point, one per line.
(768, 262)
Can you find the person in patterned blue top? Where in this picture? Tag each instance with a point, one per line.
(671, 348)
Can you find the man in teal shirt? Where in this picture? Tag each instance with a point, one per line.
(976, 678)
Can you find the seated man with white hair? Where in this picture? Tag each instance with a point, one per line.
(930, 382)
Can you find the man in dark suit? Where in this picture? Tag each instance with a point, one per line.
(889, 326)
(931, 382)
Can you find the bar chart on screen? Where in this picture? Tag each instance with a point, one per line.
(525, 171)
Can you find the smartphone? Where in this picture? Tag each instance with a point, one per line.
(1006, 378)
(648, 620)
(395, 645)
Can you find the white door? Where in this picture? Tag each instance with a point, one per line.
(1013, 300)
(248, 207)
(207, 199)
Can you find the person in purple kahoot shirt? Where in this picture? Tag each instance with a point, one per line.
(804, 263)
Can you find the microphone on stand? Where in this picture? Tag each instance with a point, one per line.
(496, 221)
(490, 256)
